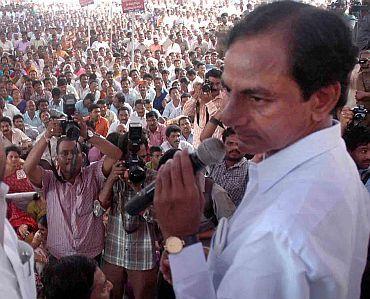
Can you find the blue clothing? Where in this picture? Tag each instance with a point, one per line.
(80, 108)
(157, 103)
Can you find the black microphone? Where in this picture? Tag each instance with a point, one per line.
(211, 151)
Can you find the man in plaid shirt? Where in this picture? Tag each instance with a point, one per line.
(130, 242)
(232, 173)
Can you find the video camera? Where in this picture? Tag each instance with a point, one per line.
(135, 165)
(69, 127)
(359, 114)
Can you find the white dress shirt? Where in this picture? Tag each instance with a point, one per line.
(301, 230)
(17, 278)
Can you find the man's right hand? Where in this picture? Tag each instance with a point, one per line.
(117, 172)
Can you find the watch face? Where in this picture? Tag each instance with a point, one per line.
(90, 133)
(174, 245)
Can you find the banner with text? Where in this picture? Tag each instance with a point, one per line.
(86, 2)
(132, 5)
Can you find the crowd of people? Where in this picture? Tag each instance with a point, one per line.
(93, 104)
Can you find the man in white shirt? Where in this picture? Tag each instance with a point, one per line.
(302, 228)
(16, 257)
(13, 136)
(173, 134)
(9, 110)
(174, 103)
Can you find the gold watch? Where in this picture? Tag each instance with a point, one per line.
(175, 245)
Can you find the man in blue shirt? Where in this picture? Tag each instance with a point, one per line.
(82, 106)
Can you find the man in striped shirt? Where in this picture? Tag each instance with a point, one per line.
(71, 191)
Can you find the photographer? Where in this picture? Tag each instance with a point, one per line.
(207, 100)
(71, 190)
(130, 242)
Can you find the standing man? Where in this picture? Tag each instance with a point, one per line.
(302, 229)
(72, 191)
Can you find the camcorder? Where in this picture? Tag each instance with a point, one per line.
(359, 115)
(135, 165)
(70, 128)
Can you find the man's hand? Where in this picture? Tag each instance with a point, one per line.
(23, 230)
(178, 202)
(117, 172)
(82, 124)
(164, 266)
(345, 117)
(360, 95)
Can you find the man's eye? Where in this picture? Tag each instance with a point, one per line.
(255, 99)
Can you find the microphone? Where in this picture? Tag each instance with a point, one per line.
(211, 151)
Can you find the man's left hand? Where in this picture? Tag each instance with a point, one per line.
(178, 202)
(82, 124)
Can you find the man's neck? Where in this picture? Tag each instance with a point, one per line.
(31, 114)
(186, 135)
(8, 135)
(231, 163)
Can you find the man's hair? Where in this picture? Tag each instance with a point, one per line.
(69, 277)
(172, 88)
(137, 102)
(151, 114)
(215, 73)
(42, 100)
(17, 116)
(13, 148)
(124, 108)
(182, 118)
(62, 82)
(171, 129)
(101, 102)
(154, 149)
(93, 106)
(55, 92)
(90, 97)
(121, 97)
(228, 132)
(35, 82)
(6, 120)
(319, 44)
(191, 72)
(356, 136)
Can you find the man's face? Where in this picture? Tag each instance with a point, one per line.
(142, 88)
(38, 88)
(95, 114)
(185, 126)
(125, 84)
(216, 86)
(19, 124)
(140, 109)
(66, 152)
(31, 107)
(43, 106)
(175, 94)
(45, 117)
(158, 84)
(265, 106)
(361, 156)
(123, 116)
(3, 92)
(102, 287)
(28, 85)
(63, 89)
(152, 123)
(174, 139)
(154, 158)
(233, 152)
(5, 127)
(103, 109)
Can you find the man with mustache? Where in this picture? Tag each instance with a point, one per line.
(232, 173)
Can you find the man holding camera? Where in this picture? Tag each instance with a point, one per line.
(71, 190)
(207, 99)
(130, 242)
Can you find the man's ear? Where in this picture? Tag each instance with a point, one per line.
(324, 101)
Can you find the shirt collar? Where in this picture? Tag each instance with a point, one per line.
(277, 166)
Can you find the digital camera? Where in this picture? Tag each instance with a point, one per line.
(69, 127)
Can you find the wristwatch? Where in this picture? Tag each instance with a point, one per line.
(90, 134)
(174, 245)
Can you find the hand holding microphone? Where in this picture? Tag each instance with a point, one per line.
(210, 151)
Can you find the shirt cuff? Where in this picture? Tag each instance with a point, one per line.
(189, 261)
